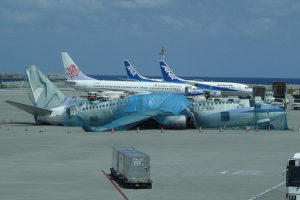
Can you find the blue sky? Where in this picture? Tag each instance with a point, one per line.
(232, 38)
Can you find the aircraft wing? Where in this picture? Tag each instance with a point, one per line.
(30, 109)
(124, 122)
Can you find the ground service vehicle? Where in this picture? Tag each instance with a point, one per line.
(130, 168)
(296, 102)
(279, 93)
(293, 178)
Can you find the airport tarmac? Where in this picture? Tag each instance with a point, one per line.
(185, 164)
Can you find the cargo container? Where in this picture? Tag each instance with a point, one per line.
(116, 153)
(131, 168)
(259, 91)
(279, 89)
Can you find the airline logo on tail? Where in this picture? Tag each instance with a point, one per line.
(131, 70)
(72, 71)
(168, 71)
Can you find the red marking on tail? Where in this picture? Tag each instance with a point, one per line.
(72, 71)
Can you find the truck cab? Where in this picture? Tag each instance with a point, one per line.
(293, 178)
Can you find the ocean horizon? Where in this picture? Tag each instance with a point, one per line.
(245, 80)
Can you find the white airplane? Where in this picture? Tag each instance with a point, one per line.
(51, 106)
(225, 88)
(82, 82)
(133, 75)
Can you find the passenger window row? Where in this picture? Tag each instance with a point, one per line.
(103, 106)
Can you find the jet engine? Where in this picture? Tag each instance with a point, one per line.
(172, 121)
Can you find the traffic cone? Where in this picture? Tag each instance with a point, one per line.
(220, 130)
(138, 130)
(112, 130)
(293, 130)
(200, 129)
(256, 130)
(26, 129)
(269, 128)
(41, 130)
(3, 122)
(68, 131)
(162, 130)
(8, 128)
(247, 130)
(298, 128)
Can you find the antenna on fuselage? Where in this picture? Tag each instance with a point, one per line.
(162, 53)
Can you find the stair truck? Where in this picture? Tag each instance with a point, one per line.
(130, 168)
(293, 178)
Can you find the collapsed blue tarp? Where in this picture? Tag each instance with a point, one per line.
(140, 108)
(173, 103)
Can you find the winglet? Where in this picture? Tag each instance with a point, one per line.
(167, 73)
(72, 71)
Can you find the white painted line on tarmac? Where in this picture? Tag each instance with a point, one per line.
(266, 191)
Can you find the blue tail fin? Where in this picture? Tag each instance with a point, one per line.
(167, 73)
(132, 74)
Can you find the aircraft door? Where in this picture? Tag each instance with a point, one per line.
(71, 111)
(188, 89)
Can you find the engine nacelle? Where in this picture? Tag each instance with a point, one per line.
(215, 94)
(172, 121)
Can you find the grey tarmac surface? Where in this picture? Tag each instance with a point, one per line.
(184, 164)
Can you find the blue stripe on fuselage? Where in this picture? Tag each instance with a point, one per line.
(210, 87)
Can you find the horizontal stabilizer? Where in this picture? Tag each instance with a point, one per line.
(36, 111)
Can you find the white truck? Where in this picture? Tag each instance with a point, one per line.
(293, 178)
(296, 102)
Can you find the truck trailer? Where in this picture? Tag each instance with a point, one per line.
(293, 178)
(130, 168)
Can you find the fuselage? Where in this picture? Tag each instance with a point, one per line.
(135, 87)
(226, 88)
(237, 114)
(95, 113)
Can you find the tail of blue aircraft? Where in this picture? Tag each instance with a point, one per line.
(167, 73)
(133, 75)
(72, 71)
(41, 91)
